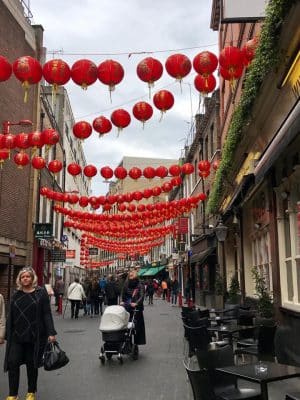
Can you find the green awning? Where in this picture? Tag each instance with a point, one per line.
(153, 271)
(142, 271)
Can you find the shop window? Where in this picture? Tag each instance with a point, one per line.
(261, 257)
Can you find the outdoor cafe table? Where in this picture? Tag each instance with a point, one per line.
(229, 329)
(274, 372)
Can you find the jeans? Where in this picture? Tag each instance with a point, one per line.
(174, 297)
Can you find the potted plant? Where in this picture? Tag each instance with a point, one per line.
(234, 292)
(265, 305)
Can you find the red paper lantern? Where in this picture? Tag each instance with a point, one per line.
(167, 187)
(231, 74)
(55, 166)
(178, 66)
(120, 173)
(120, 118)
(83, 201)
(135, 173)
(122, 207)
(149, 70)
(216, 164)
(38, 162)
(187, 168)
(106, 207)
(249, 49)
(137, 196)
(204, 165)
(27, 70)
(163, 100)
(142, 111)
(35, 139)
(147, 193)
(205, 85)
(2, 141)
(176, 181)
(205, 63)
(82, 130)
(22, 141)
(141, 207)
(84, 73)
(4, 154)
(50, 137)
(202, 196)
(56, 72)
(106, 172)
(110, 73)
(21, 159)
(149, 172)
(102, 125)
(90, 171)
(131, 207)
(5, 69)
(156, 191)
(175, 170)
(74, 169)
(9, 141)
(231, 58)
(161, 172)
(204, 174)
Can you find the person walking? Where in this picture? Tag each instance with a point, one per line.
(150, 291)
(111, 291)
(29, 325)
(75, 295)
(174, 291)
(94, 297)
(2, 320)
(164, 287)
(59, 289)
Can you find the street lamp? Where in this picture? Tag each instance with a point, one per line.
(221, 234)
(7, 124)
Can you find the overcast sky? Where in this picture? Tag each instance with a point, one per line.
(107, 28)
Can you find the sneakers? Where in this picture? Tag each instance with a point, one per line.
(30, 396)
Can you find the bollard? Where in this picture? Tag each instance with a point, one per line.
(179, 299)
(168, 296)
(60, 305)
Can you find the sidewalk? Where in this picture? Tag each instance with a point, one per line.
(157, 374)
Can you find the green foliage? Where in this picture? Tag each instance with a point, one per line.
(219, 285)
(266, 59)
(234, 290)
(265, 300)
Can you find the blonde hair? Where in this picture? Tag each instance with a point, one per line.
(32, 274)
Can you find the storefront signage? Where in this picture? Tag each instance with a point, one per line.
(57, 255)
(93, 251)
(43, 231)
(183, 225)
(70, 253)
(243, 10)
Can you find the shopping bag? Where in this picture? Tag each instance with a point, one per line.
(54, 357)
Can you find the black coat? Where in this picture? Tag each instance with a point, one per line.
(45, 327)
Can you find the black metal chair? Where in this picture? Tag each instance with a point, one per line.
(286, 351)
(198, 338)
(224, 386)
(200, 383)
(262, 346)
(292, 396)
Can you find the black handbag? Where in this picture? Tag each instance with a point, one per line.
(54, 357)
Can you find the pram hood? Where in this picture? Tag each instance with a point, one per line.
(114, 318)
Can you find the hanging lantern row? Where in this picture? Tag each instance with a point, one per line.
(110, 72)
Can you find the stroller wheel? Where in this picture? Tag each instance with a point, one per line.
(108, 356)
(120, 359)
(102, 359)
(135, 352)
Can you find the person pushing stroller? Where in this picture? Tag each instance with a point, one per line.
(132, 298)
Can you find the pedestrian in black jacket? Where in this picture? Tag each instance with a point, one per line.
(112, 291)
(29, 326)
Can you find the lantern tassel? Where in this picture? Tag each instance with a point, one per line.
(53, 94)
(25, 85)
(161, 115)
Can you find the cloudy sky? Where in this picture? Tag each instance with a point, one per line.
(113, 29)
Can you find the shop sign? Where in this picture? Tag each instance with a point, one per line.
(70, 253)
(242, 10)
(43, 231)
(183, 225)
(57, 255)
(93, 251)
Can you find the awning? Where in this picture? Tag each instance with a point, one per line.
(142, 271)
(202, 256)
(153, 271)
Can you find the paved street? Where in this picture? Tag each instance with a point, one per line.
(158, 374)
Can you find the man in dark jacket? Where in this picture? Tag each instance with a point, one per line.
(111, 291)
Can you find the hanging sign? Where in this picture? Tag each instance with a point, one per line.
(42, 231)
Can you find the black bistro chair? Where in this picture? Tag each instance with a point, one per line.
(197, 337)
(293, 396)
(224, 386)
(262, 346)
(200, 383)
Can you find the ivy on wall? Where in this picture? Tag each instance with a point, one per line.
(266, 58)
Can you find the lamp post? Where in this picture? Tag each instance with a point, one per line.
(221, 233)
(7, 124)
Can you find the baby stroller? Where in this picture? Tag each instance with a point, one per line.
(117, 330)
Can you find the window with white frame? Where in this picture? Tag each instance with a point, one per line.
(289, 249)
(261, 256)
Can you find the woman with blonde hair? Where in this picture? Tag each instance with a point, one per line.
(29, 325)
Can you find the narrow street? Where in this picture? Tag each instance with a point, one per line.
(158, 374)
